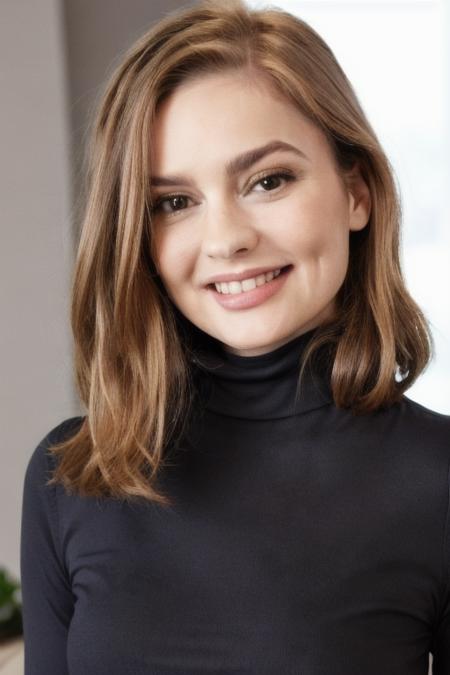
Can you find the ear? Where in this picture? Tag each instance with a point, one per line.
(360, 201)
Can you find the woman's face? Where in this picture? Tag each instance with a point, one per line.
(238, 200)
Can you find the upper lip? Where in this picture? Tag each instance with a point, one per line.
(239, 276)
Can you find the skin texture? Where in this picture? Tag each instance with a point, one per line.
(221, 224)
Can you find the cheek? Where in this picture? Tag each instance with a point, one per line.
(174, 255)
(315, 228)
(316, 235)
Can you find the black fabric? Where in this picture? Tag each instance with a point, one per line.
(261, 387)
(303, 540)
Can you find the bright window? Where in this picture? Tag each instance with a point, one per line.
(396, 54)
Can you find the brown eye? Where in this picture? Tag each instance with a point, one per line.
(178, 202)
(272, 181)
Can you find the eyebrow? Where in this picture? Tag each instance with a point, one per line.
(234, 166)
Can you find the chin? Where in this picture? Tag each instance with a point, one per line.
(254, 347)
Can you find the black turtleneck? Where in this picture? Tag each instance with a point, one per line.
(260, 387)
(303, 540)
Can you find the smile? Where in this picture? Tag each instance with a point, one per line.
(249, 292)
(246, 284)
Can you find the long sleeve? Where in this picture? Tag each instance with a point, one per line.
(441, 654)
(313, 543)
(441, 638)
(46, 593)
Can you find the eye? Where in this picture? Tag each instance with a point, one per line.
(178, 202)
(171, 200)
(271, 181)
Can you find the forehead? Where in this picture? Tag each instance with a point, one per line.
(220, 115)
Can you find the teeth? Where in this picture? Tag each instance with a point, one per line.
(234, 287)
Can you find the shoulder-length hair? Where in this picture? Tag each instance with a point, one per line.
(131, 365)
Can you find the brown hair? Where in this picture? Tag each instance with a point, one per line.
(131, 365)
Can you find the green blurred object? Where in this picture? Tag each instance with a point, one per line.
(10, 607)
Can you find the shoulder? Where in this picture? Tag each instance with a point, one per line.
(405, 431)
(418, 432)
(421, 417)
(39, 498)
(40, 462)
(62, 431)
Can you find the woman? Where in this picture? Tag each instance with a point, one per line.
(250, 490)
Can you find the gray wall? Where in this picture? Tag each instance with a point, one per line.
(54, 59)
(98, 33)
(35, 246)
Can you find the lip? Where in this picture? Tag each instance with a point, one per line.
(256, 296)
(239, 276)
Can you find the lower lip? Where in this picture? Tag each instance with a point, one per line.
(252, 298)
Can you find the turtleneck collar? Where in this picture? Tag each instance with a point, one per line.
(258, 387)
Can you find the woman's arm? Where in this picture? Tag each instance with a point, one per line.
(441, 638)
(46, 594)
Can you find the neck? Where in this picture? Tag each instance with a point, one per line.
(260, 351)
(261, 386)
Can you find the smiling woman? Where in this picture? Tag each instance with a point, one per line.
(275, 207)
(250, 490)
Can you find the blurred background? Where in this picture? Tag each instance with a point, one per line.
(55, 57)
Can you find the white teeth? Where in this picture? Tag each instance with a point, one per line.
(234, 287)
(248, 284)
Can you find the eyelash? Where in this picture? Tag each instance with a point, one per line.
(286, 175)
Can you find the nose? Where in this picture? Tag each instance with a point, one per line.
(227, 231)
